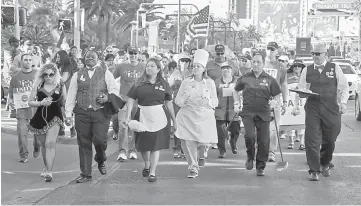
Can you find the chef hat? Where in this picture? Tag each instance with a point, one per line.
(201, 57)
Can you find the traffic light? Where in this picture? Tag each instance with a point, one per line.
(8, 15)
(65, 25)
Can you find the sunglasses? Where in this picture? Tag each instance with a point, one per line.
(271, 48)
(282, 61)
(226, 68)
(185, 60)
(219, 54)
(316, 53)
(45, 75)
(244, 61)
(133, 53)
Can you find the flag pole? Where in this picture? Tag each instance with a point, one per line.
(209, 14)
(178, 28)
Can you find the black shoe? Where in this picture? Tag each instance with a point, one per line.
(146, 172)
(331, 165)
(36, 152)
(82, 179)
(102, 168)
(61, 133)
(260, 172)
(249, 164)
(314, 176)
(234, 150)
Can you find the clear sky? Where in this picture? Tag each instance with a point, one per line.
(218, 7)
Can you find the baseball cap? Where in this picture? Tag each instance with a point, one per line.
(319, 48)
(133, 49)
(183, 56)
(247, 57)
(298, 62)
(225, 65)
(219, 48)
(284, 58)
(272, 44)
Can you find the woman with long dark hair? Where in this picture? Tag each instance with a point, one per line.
(63, 61)
(48, 95)
(154, 98)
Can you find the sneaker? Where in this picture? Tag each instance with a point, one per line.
(36, 152)
(297, 139)
(193, 174)
(133, 155)
(122, 157)
(283, 136)
(43, 173)
(222, 155)
(215, 147)
(314, 176)
(48, 177)
(176, 155)
(302, 147)
(290, 146)
(326, 171)
(260, 172)
(23, 159)
(272, 157)
(201, 162)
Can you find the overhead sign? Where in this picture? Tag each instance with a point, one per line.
(333, 5)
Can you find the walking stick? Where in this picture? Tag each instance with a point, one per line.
(284, 164)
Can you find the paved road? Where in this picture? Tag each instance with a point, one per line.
(222, 181)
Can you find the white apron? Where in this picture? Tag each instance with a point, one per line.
(196, 122)
(151, 119)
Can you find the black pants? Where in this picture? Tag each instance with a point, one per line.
(322, 129)
(222, 132)
(91, 127)
(115, 123)
(251, 123)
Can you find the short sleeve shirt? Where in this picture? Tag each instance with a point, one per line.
(256, 94)
(128, 74)
(276, 70)
(149, 94)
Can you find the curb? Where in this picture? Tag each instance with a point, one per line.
(66, 139)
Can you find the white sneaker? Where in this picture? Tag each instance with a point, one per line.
(122, 157)
(133, 155)
(43, 173)
(283, 136)
(48, 177)
(214, 146)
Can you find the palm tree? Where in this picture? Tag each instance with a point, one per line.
(39, 35)
(129, 10)
(102, 11)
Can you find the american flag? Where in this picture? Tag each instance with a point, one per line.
(198, 25)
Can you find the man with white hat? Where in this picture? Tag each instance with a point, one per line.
(197, 98)
(323, 111)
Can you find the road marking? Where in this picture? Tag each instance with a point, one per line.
(112, 170)
(7, 172)
(208, 164)
(35, 190)
(240, 168)
(334, 154)
(354, 166)
(36, 172)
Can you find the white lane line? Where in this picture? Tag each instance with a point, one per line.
(354, 166)
(334, 154)
(240, 168)
(112, 170)
(7, 172)
(35, 190)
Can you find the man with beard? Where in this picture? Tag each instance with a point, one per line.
(129, 72)
(279, 72)
(88, 91)
(213, 67)
(246, 65)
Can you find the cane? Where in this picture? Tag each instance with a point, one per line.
(280, 165)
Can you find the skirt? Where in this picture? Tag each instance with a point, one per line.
(153, 141)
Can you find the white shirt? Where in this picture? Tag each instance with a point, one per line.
(342, 84)
(73, 89)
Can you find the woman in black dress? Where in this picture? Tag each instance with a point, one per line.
(155, 110)
(48, 95)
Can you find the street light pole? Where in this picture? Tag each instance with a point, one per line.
(178, 29)
(77, 23)
(17, 26)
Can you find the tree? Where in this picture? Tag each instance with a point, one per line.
(102, 11)
(128, 13)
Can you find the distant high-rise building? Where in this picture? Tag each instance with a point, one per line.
(243, 8)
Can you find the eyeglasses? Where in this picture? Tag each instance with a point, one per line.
(133, 53)
(219, 54)
(316, 53)
(46, 75)
(185, 60)
(271, 48)
(282, 61)
(226, 68)
(244, 61)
